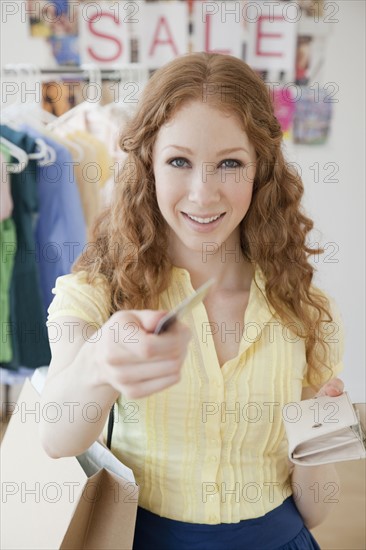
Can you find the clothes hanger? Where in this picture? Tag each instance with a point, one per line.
(46, 154)
(127, 73)
(135, 73)
(68, 121)
(34, 115)
(16, 152)
(11, 114)
(35, 108)
(95, 77)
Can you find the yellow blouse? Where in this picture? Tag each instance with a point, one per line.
(212, 448)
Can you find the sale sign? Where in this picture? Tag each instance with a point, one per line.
(272, 35)
(218, 27)
(162, 32)
(263, 33)
(104, 32)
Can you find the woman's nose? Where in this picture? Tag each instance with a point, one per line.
(204, 186)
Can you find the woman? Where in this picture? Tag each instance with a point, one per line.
(205, 191)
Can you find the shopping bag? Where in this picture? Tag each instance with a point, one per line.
(84, 502)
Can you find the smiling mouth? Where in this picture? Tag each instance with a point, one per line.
(204, 219)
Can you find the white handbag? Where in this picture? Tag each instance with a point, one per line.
(325, 429)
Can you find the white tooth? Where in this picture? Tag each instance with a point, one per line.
(204, 220)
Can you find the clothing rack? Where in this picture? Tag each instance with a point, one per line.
(112, 73)
(82, 74)
(31, 74)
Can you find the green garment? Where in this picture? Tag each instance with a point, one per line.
(27, 316)
(8, 244)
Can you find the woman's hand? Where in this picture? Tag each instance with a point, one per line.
(305, 478)
(135, 361)
(333, 388)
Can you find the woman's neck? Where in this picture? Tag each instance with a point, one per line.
(228, 267)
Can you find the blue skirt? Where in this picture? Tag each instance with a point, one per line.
(280, 529)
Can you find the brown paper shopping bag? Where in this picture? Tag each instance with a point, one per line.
(85, 502)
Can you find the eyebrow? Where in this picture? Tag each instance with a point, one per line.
(222, 152)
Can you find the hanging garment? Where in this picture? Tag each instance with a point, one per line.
(87, 172)
(27, 317)
(102, 158)
(8, 242)
(114, 117)
(60, 232)
(6, 202)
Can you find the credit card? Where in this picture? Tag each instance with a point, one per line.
(184, 307)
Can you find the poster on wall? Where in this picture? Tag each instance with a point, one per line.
(302, 63)
(57, 22)
(312, 8)
(312, 117)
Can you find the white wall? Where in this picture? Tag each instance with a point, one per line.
(338, 209)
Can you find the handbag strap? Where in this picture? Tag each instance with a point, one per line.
(110, 427)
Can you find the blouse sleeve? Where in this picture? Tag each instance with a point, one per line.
(75, 296)
(334, 337)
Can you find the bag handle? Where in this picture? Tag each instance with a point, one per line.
(110, 427)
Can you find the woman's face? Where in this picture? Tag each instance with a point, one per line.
(204, 167)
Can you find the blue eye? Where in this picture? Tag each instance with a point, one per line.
(179, 162)
(230, 163)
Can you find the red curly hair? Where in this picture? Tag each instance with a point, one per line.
(130, 240)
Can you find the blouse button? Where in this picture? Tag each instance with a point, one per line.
(213, 458)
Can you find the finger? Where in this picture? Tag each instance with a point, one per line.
(149, 387)
(151, 348)
(332, 388)
(137, 373)
(134, 322)
(168, 345)
(139, 344)
(147, 318)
